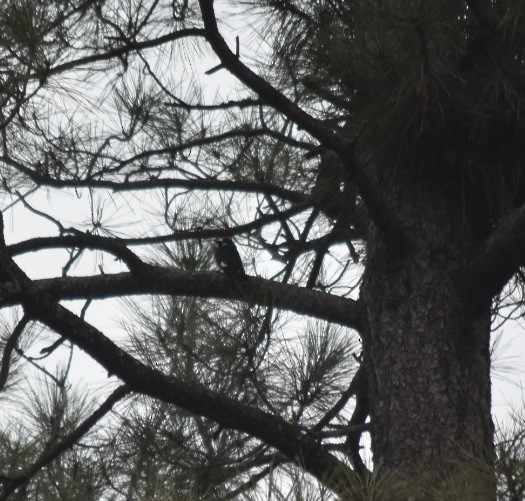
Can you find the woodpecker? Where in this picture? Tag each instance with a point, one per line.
(228, 259)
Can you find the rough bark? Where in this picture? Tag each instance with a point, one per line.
(151, 279)
(426, 346)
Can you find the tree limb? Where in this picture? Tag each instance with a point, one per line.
(116, 246)
(195, 398)
(206, 140)
(255, 478)
(243, 132)
(150, 279)
(151, 184)
(498, 260)
(380, 214)
(124, 49)
(239, 103)
(10, 345)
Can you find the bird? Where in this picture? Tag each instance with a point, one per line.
(228, 259)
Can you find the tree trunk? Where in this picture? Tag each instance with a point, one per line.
(427, 351)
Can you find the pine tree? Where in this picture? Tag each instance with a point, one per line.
(368, 158)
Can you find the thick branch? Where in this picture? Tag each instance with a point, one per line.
(499, 259)
(267, 92)
(158, 280)
(115, 246)
(195, 398)
(379, 213)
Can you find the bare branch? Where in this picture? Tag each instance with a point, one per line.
(206, 140)
(150, 184)
(114, 246)
(129, 46)
(151, 279)
(254, 479)
(117, 246)
(39, 368)
(240, 103)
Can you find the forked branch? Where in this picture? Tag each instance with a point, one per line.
(274, 431)
(381, 215)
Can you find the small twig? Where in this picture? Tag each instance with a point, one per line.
(41, 369)
(50, 349)
(46, 351)
(26, 204)
(222, 66)
(74, 255)
(83, 311)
